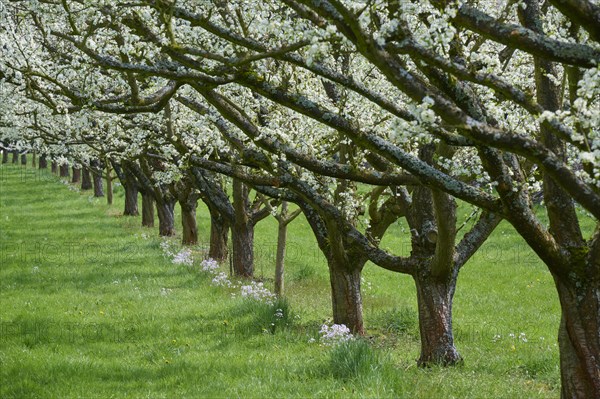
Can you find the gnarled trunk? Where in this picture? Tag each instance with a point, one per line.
(147, 210)
(579, 337)
(86, 180)
(219, 233)
(190, 227)
(43, 164)
(131, 200)
(76, 175)
(242, 237)
(166, 218)
(434, 299)
(64, 170)
(346, 297)
(98, 188)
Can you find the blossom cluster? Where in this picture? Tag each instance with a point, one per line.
(258, 292)
(183, 257)
(334, 335)
(221, 280)
(209, 265)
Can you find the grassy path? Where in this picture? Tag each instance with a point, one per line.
(90, 308)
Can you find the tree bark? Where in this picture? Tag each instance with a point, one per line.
(33, 159)
(15, 156)
(86, 180)
(579, 337)
(4, 156)
(166, 218)
(131, 199)
(147, 210)
(76, 175)
(219, 233)
(434, 299)
(109, 185)
(64, 170)
(190, 227)
(242, 232)
(23, 159)
(98, 188)
(346, 297)
(54, 167)
(242, 237)
(280, 259)
(43, 164)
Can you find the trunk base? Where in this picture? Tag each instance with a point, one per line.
(147, 210)
(166, 219)
(579, 338)
(242, 237)
(346, 297)
(434, 298)
(190, 228)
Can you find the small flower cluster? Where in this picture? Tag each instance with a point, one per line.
(221, 280)
(167, 247)
(184, 257)
(521, 337)
(257, 292)
(181, 257)
(334, 335)
(209, 265)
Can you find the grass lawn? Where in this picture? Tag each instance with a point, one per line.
(90, 307)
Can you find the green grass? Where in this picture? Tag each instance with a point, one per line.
(89, 307)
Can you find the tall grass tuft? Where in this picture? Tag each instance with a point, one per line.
(353, 358)
(275, 316)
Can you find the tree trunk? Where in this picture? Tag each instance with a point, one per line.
(33, 159)
(280, 258)
(4, 156)
(109, 185)
(434, 299)
(131, 200)
(54, 167)
(23, 159)
(98, 188)
(64, 170)
(86, 180)
(147, 210)
(15, 156)
(579, 337)
(190, 227)
(43, 164)
(219, 233)
(76, 175)
(242, 232)
(166, 218)
(242, 237)
(346, 297)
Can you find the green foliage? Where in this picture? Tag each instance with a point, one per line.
(353, 358)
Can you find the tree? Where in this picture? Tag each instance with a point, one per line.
(463, 74)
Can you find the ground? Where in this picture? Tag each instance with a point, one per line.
(91, 307)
